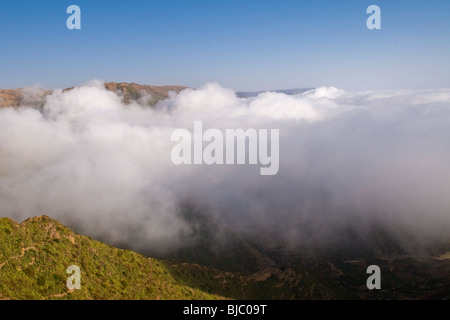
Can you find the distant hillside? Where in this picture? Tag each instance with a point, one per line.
(146, 94)
(261, 268)
(133, 91)
(9, 97)
(149, 95)
(17, 97)
(35, 254)
(337, 272)
(250, 94)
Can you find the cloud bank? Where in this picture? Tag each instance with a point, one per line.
(347, 160)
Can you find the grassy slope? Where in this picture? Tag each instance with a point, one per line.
(35, 254)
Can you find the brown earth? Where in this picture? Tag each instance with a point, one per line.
(149, 95)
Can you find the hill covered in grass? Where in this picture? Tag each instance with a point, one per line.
(35, 255)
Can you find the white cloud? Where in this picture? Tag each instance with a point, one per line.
(345, 159)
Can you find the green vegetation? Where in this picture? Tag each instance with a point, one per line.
(35, 254)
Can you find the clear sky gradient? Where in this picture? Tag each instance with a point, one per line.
(241, 44)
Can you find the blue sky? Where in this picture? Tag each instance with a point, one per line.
(244, 45)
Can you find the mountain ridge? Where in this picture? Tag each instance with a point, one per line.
(146, 94)
(251, 94)
(35, 254)
(129, 92)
